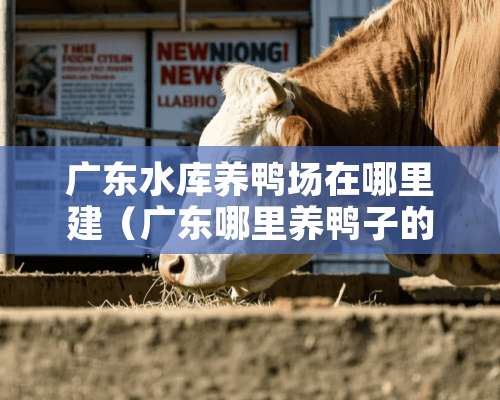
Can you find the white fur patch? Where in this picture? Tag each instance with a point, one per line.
(246, 117)
(243, 79)
(378, 14)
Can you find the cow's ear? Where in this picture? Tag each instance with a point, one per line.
(296, 131)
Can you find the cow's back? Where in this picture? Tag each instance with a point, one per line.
(467, 110)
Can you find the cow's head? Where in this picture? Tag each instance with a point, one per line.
(259, 110)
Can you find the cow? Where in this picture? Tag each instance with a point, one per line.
(413, 73)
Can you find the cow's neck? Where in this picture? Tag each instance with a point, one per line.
(368, 91)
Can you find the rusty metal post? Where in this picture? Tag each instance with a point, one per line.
(182, 15)
(7, 114)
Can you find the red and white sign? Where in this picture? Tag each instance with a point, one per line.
(187, 69)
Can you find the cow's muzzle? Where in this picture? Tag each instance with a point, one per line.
(172, 268)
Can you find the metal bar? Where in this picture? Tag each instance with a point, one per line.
(101, 128)
(7, 68)
(149, 82)
(167, 21)
(149, 118)
(182, 15)
(7, 121)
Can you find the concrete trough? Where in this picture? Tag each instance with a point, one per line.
(76, 290)
(83, 290)
(432, 352)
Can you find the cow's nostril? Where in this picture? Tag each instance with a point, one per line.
(178, 266)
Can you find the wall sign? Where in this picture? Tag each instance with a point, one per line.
(87, 76)
(187, 69)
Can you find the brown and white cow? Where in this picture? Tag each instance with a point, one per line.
(414, 73)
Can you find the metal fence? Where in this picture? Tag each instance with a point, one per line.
(335, 263)
(101, 128)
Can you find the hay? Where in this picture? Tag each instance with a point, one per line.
(174, 297)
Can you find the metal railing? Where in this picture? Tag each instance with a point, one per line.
(101, 128)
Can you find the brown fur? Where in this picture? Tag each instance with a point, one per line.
(296, 132)
(427, 72)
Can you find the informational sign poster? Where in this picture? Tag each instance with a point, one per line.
(85, 76)
(187, 69)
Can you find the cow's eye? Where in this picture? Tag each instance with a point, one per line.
(280, 107)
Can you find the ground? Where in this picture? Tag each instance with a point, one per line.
(431, 352)
(297, 344)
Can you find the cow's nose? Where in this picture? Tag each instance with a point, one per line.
(172, 268)
(177, 267)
